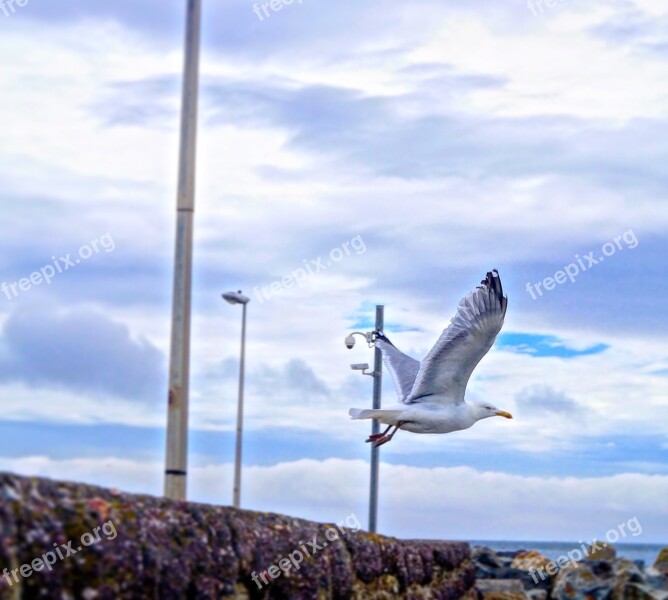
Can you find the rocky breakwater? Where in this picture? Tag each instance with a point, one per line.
(71, 541)
(527, 575)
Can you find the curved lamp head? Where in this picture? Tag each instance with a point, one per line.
(235, 298)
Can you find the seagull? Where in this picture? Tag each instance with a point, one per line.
(431, 392)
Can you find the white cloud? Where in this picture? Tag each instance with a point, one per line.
(554, 65)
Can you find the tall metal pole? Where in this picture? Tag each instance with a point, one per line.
(377, 386)
(179, 363)
(240, 414)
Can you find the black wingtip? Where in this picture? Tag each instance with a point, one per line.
(493, 282)
(381, 336)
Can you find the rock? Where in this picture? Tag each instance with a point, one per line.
(506, 565)
(655, 579)
(504, 596)
(509, 553)
(486, 562)
(637, 591)
(620, 579)
(508, 556)
(601, 568)
(661, 562)
(601, 551)
(580, 583)
(501, 589)
(530, 580)
(530, 560)
(486, 557)
(505, 558)
(624, 572)
(532, 566)
(500, 585)
(483, 572)
(629, 569)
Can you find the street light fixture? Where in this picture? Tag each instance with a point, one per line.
(239, 298)
(236, 298)
(377, 374)
(361, 367)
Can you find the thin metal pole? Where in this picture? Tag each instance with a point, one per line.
(240, 414)
(179, 362)
(377, 387)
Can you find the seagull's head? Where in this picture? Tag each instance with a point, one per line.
(484, 410)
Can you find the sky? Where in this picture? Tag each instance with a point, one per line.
(349, 154)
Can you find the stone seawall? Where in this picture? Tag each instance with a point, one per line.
(71, 540)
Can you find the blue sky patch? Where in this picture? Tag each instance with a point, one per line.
(366, 319)
(544, 345)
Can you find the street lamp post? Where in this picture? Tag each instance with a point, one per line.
(377, 375)
(239, 298)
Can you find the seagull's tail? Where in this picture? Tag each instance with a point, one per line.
(358, 413)
(389, 417)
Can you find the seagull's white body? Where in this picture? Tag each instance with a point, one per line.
(427, 417)
(431, 392)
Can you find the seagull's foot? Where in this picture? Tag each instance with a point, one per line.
(374, 437)
(382, 440)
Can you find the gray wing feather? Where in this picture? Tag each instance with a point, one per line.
(447, 368)
(402, 367)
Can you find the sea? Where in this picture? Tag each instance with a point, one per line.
(553, 550)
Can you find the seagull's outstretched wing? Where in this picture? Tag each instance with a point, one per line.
(445, 371)
(403, 368)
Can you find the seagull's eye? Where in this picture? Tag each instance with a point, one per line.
(488, 408)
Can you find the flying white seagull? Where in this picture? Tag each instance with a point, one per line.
(431, 392)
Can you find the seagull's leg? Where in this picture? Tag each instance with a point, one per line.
(386, 438)
(376, 436)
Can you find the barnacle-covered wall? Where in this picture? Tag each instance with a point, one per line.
(148, 547)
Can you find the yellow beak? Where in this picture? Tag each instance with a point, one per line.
(503, 413)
